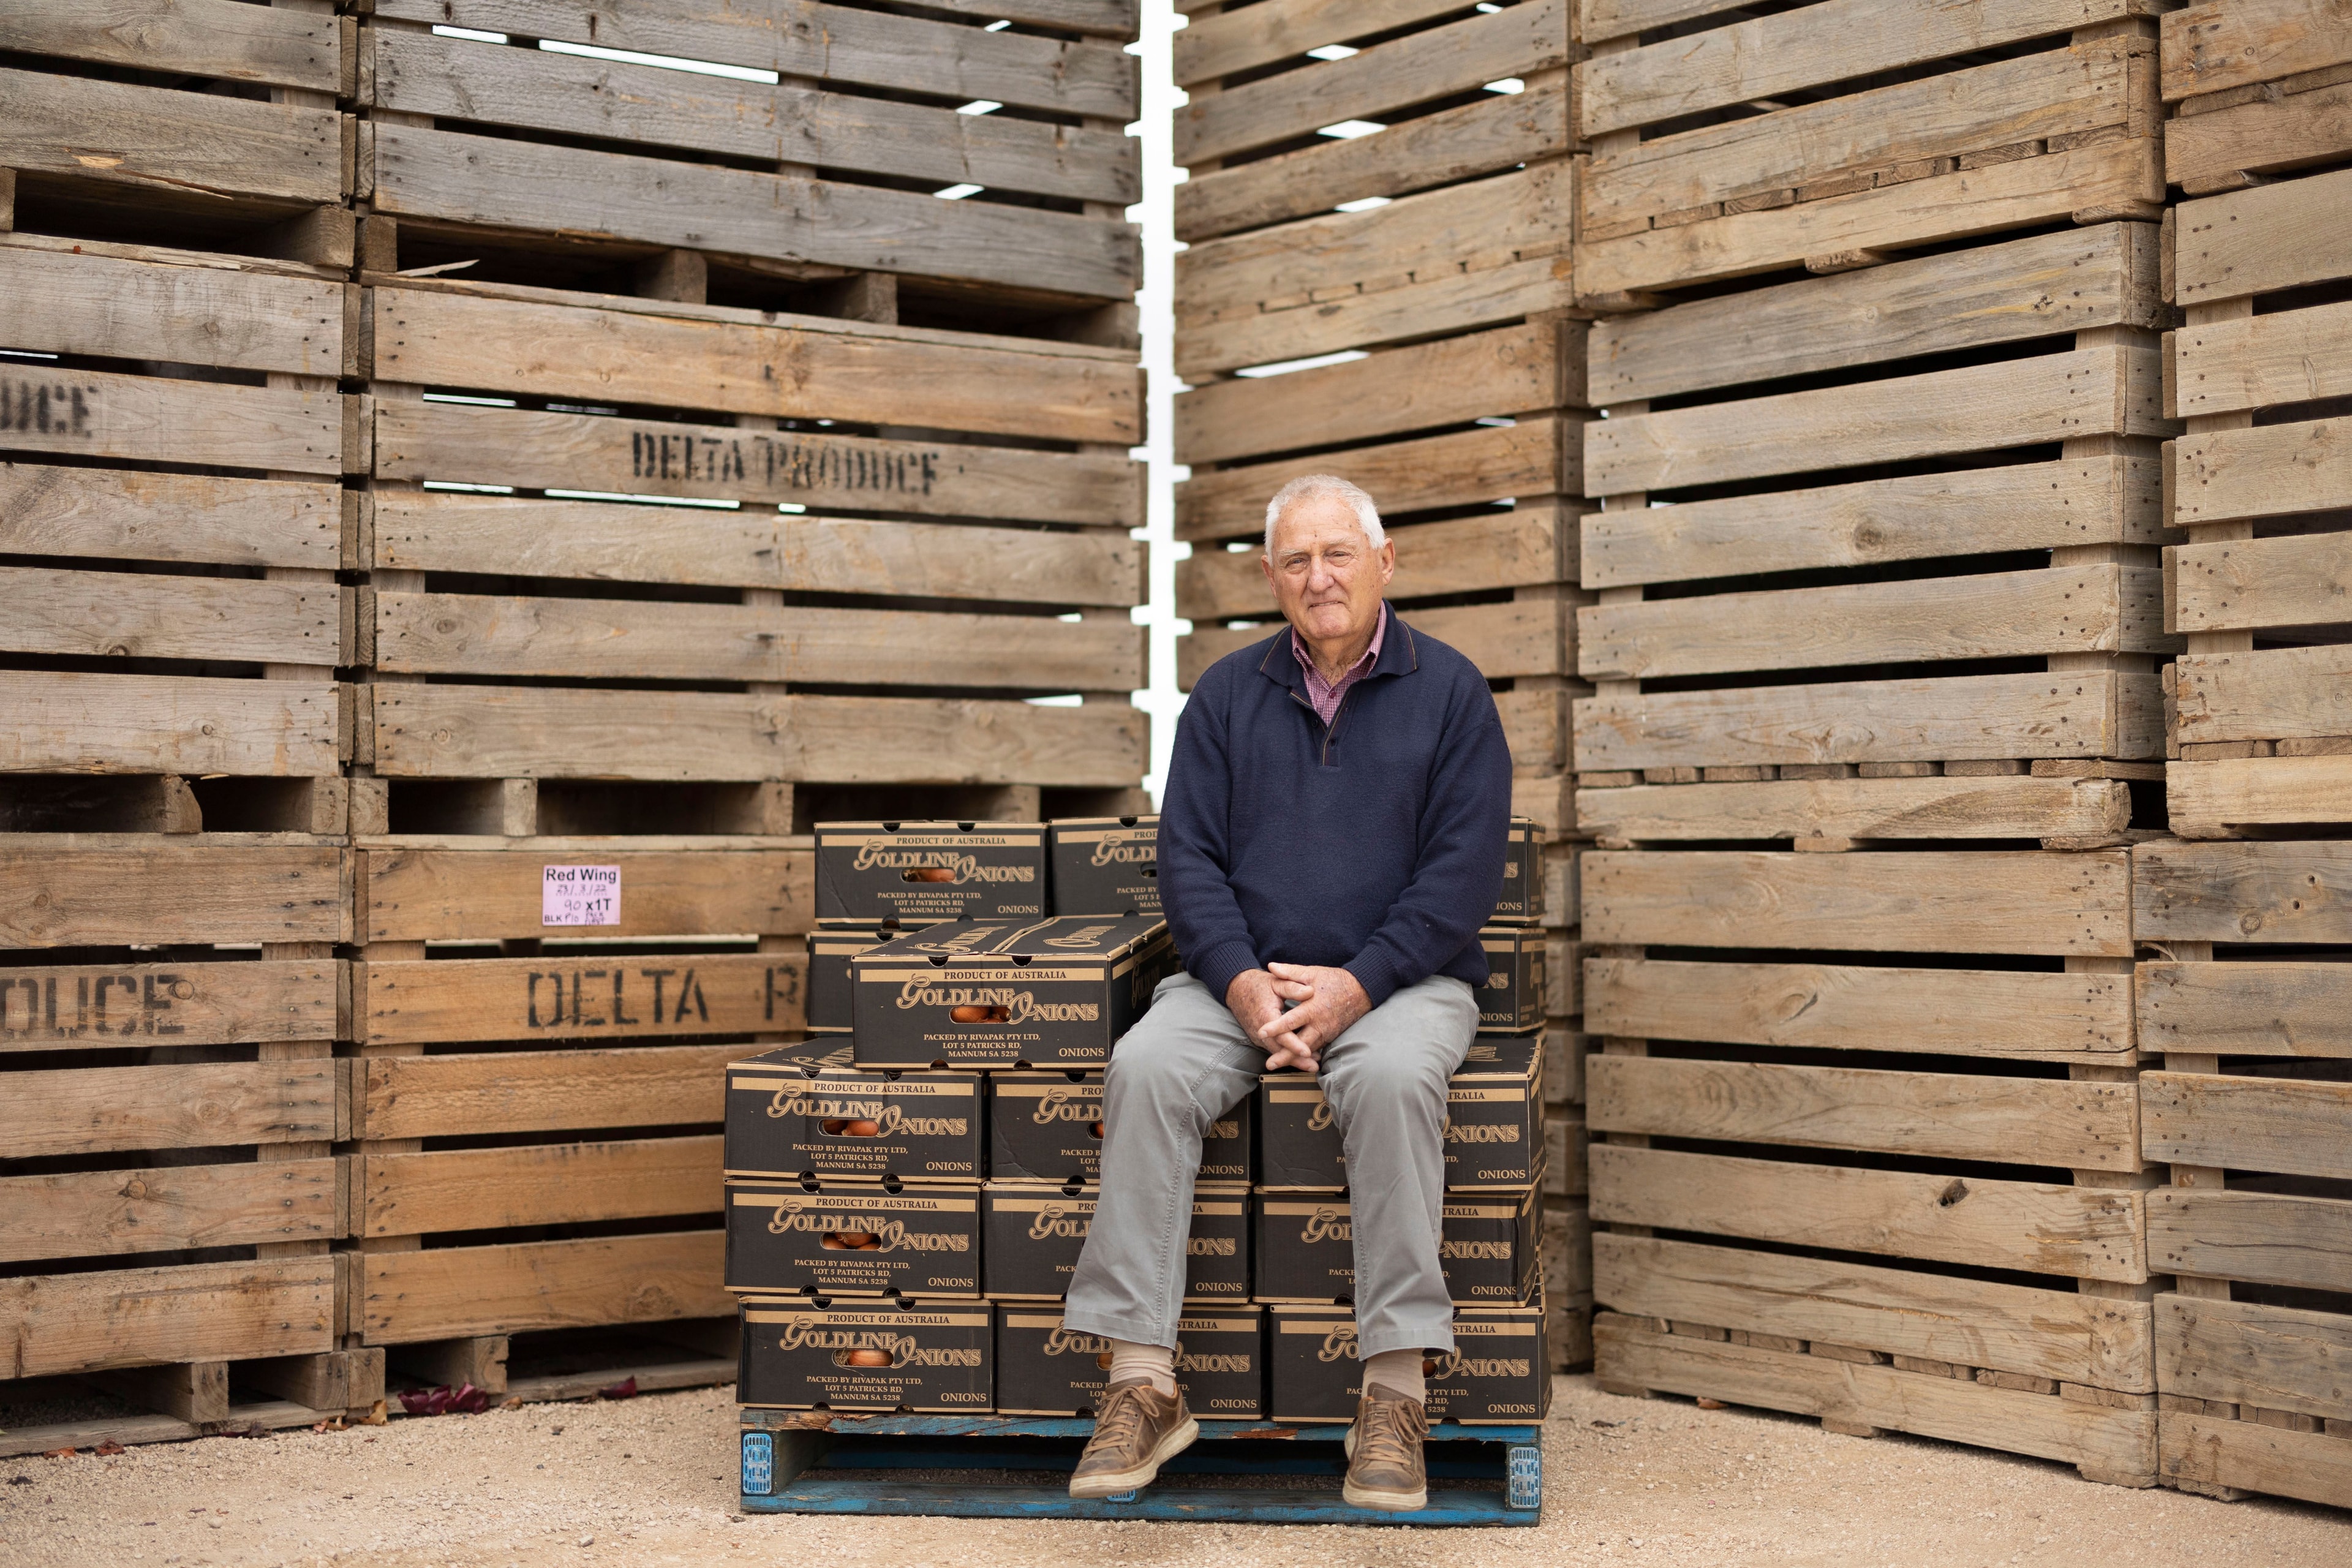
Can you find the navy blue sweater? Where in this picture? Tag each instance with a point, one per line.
(1376, 845)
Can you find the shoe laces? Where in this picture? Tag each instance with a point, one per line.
(1384, 1434)
(1120, 1419)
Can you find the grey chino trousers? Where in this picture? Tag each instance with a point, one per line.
(1188, 1063)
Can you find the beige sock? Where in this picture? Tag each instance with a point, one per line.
(1398, 1370)
(1129, 1360)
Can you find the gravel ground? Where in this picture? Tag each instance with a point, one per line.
(650, 1481)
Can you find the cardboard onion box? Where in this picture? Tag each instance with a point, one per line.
(1007, 993)
(1105, 864)
(1033, 1232)
(1488, 1248)
(1522, 902)
(1043, 1370)
(919, 873)
(1496, 1373)
(1505, 1054)
(785, 1120)
(1494, 1130)
(800, 1354)
(1512, 1000)
(851, 1238)
(1048, 1127)
(829, 952)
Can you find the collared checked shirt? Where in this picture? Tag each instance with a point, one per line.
(1327, 695)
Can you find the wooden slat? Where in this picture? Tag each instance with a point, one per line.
(629, 639)
(2261, 240)
(2107, 172)
(540, 1183)
(439, 1294)
(2267, 1237)
(103, 414)
(2224, 44)
(1971, 718)
(488, 732)
(472, 1094)
(2206, 800)
(1527, 545)
(2268, 694)
(147, 138)
(2293, 581)
(2092, 1339)
(1526, 637)
(2246, 1352)
(131, 888)
(1536, 457)
(431, 532)
(572, 997)
(2017, 1014)
(2075, 1432)
(135, 1317)
(2242, 892)
(192, 37)
(2112, 390)
(89, 1214)
(425, 895)
(1601, 20)
(1955, 1116)
(542, 187)
(2019, 288)
(2086, 1232)
(800, 371)
(619, 456)
(1995, 615)
(2296, 1127)
(2250, 1455)
(57, 303)
(1449, 302)
(1831, 42)
(2012, 901)
(61, 721)
(191, 1105)
(1859, 808)
(2247, 1009)
(2064, 93)
(2262, 472)
(125, 514)
(2026, 506)
(419, 73)
(803, 37)
(1494, 132)
(2289, 132)
(124, 614)
(1451, 380)
(99, 1006)
(1434, 63)
(2247, 361)
(1269, 34)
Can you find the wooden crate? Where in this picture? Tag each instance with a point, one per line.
(1901, 603)
(537, 1110)
(809, 170)
(1831, 136)
(1567, 1228)
(2252, 88)
(1866, 1142)
(1458, 405)
(243, 150)
(2262, 727)
(2252, 1113)
(903, 531)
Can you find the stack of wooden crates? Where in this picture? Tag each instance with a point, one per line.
(1877, 710)
(1375, 284)
(614, 405)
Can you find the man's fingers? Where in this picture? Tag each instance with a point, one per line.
(1294, 991)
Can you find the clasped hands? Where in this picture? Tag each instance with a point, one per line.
(1323, 1003)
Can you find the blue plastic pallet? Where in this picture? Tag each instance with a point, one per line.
(803, 1462)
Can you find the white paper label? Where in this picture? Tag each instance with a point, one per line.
(580, 896)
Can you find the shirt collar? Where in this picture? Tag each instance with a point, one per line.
(1363, 666)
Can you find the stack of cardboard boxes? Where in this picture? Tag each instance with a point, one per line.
(909, 1189)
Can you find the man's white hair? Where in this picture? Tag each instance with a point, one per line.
(1321, 487)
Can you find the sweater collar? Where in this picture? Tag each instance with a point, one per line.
(1399, 656)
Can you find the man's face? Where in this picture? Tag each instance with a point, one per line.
(1327, 576)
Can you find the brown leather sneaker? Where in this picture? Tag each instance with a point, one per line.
(1385, 1466)
(1137, 1429)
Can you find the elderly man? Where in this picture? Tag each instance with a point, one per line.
(1331, 840)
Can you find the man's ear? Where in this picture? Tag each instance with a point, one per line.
(1388, 561)
(1266, 564)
